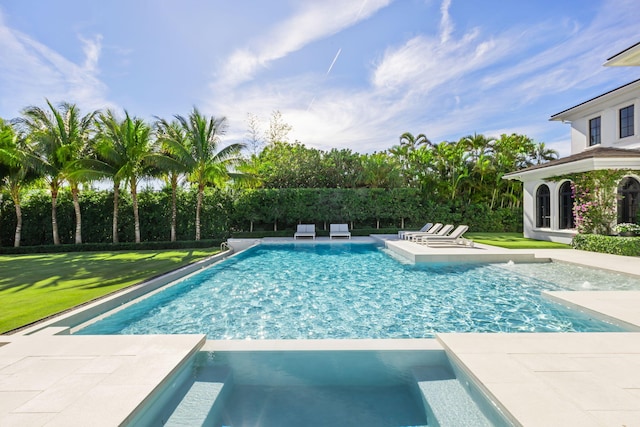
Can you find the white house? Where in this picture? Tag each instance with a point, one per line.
(605, 134)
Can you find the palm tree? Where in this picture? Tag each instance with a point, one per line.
(14, 170)
(61, 137)
(127, 155)
(172, 139)
(542, 154)
(207, 164)
(407, 139)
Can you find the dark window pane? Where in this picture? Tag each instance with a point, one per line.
(543, 200)
(566, 206)
(594, 131)
(626, 121)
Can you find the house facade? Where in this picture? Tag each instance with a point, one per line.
(605, 135)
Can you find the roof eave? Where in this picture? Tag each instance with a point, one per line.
(566, 115)
(628, 57)
(582, 165)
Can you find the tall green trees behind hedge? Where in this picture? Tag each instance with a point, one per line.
(226, 190)
(225, 212)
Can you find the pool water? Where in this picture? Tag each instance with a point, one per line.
(320, 388)
(355, 290)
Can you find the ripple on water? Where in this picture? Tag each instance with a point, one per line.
(357, 291)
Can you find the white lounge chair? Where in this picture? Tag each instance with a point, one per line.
(453, 239)
(339, 230)
(305, 230)
(432, 230)
(437, 230)
(425, 228)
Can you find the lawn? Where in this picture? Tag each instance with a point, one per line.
(513, 241)
(36, 286)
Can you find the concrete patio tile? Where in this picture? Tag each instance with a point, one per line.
(10, 400)
(39, 373)
(614, 369)
(617, 418)
(589, 392)
(497, 368)
(143, 371)
(102, 406)
(533, 405)
(548, 362)
(8, 360)
(33, 419)
(104, 364)
(62, 394)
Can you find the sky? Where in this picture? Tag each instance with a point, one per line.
(350, 74)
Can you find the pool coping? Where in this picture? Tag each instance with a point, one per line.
(494, 361)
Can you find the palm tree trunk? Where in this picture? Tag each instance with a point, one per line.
(76, 208)
(16, 239)
(54, 216)
(116, 196)
(198, 207)
(136, 217)
(174, 214)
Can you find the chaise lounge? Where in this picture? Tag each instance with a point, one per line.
(339, 230)
(402, 233)
(453, 239)
(305, 230)
(437, 230)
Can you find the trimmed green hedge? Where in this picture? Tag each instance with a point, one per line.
(234, 212)
(629, 246)
(109, 247)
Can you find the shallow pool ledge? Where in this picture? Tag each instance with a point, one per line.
(323, 345)
(478, 254)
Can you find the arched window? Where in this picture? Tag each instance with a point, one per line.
(628, 196)
(566, 206)
(543, 207)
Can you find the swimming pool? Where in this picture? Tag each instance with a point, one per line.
(355, 290)
(319, 388)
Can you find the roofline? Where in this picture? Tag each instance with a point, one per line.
(555, 116)
(624, 51)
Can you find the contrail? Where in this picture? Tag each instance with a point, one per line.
(335, 58)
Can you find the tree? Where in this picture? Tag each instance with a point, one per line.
(208, 165)
(61, 136)
(128, 155)
(15, 172)
(253, 138)
(542, 154)
(407, 139)
(381, 171)
(173, 141)
(278, 129)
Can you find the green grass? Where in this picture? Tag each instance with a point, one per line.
(33, 287)
(513, 241)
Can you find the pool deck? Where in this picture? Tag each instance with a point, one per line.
(581, 379)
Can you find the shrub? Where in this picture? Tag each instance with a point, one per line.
(109, 247)
(629, 246)
(626, 227)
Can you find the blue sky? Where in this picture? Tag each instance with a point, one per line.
(344, 73)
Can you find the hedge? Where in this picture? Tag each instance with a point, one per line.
(110, 247)
(629, 246)
(226, 213)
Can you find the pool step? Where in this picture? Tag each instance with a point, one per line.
(198, 406)
(446, 401)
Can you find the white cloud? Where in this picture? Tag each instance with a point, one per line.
(446, 25)
(31, 71)
(445, 85)
(314, 21)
